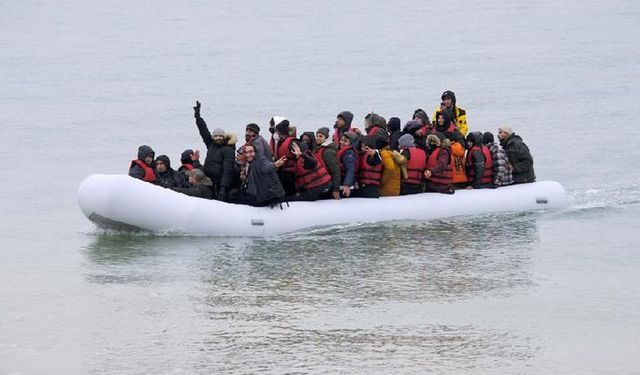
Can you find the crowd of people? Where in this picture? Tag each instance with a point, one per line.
(383, 159)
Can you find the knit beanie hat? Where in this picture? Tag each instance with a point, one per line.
(283, 127)
(351, 136)
(406, 141)
(487, 138)
(217, 131)
(506, 128)
(324, 131)
(253, 127)
(393, 124)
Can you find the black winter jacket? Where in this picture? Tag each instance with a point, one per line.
(219, 165)
(520, 158)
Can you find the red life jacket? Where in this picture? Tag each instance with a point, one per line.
(369, 174)
(339, 155)
(188, 167)
(487, 173)
(376, 131)
(149, 174)
(283, 150)
(307, 179)
(443, 178)
(318, 154)
(415, 166)
(450, 129)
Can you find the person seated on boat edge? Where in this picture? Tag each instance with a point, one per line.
(260, 183)
(479, 163)
(501, 172)
(458, 161)
(393, 125)
(391, 174)
(282, 149)
(520, 158)
(219, 164)
(375, 125)
(200, 185)
(438, 172)
(166, 176)
(313, 180)
(414, 166)
(142, 167)
(326, 153)
(369, 169)
(190, 160)
(347, 157)
(459, 115)
(342, 125)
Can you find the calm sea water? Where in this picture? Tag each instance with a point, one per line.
(85, 83)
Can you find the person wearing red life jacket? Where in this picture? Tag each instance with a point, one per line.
(341, 126)
(282, 148)
(369, 169)
(416, 163)
(190, 160)
(313, 180)
(438, 172)
(326, 153)
(347, 157)
(376, 126)
(479, 163)
(142, 167)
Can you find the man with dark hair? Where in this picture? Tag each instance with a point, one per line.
(142, 167)
(166, 176)
(326, 153)
(260, 183)
(341, 126)
(459, 115)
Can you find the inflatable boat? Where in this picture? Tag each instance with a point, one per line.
(125, 203)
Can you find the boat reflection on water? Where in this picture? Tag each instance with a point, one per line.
(363, 295)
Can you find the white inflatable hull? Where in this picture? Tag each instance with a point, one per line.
(122, 202)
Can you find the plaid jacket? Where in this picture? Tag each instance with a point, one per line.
(501, 172)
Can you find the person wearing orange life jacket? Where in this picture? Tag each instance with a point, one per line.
(438, 172)
(341, 126)
(313, 180)
(326, 154)
(369, 169)
(142, 167)
(479, 163)
(347, 158)
(282, 148)
(415, 164)
(459, 114)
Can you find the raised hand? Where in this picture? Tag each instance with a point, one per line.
(196, 155)
(196, 110)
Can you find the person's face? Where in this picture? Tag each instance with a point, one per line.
(218, 139)
(161, 166)
(440, 120)
(250, 135)
(447, 101)
(306, 140)
(344, 142)
(340, 123)
(502, 135)
(320, 138)
(148, 159)
(250, 154)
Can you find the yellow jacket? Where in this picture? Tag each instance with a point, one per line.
(461, 119)
(390, 182)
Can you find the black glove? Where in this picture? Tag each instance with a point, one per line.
(196, 110)
(222, 194)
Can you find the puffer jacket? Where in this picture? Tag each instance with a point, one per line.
(219, 164)
(520, 158)
(390, 182)
(262, 180)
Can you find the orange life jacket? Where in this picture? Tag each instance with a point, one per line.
(149, 174)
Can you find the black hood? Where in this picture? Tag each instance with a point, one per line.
(475, 138)
(450, 94)
(165, 159)
(393, 124)
(185, 158)
(347, 116)
(448, 119)
(312, 136)
(145, 150)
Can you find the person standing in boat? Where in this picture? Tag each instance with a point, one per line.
(326, 153)
(501, 172)
(369, 169)
(166, 176)
(520, 158)
(479, 163)
(415, 164)
(142, 167)
(459, 115)
(260, 183)
(313, 180)
(341, 126)
(199, 185)
(347, 157)
(438, 171)
(219, 164)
